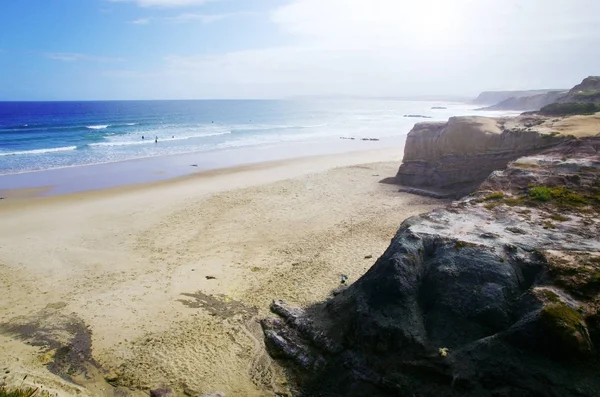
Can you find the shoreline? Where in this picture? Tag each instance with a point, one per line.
(78, 178)
(320, 163)
(132, 265)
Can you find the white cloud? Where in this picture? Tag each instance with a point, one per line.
(392, 47)
(165, 3)
(72, 57)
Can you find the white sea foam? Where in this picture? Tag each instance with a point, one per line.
(97, 127)
(131, 123)
(39, 151)
(121, 143)
(150, 140)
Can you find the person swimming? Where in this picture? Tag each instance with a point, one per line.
(142, 137)
(156, 140)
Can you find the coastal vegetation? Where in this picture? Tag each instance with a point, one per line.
(18, 392)
(570, 109)
(588, 94)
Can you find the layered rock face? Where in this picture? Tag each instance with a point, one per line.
(496, 295)
(451, 159)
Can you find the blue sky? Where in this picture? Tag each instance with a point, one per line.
(161, 49)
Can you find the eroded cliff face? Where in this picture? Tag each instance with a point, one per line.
(450, 159)
(496, 295)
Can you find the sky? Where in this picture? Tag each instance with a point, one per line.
(204, 49)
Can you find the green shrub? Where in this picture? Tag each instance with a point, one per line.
(560, 194)
(540, 193)
(566, 196)
(571, 108)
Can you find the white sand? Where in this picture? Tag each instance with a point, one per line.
(119, 261)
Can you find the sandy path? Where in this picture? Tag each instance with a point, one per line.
(130, 267)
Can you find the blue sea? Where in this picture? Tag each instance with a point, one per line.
(47, 135)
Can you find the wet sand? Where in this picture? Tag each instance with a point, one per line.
(161, 284)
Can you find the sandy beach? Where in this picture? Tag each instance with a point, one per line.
(161, 284)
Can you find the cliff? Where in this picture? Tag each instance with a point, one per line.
(494, 97)
(450, 159)
(497, 294)
(588, 91)
(526, 103)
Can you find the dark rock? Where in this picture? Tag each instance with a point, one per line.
(461, 305)
(210, 277)
(368, 256)
(161, 393)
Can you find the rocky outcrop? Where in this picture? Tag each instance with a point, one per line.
(494, 97)
(527, 103)
(450, 159)
(497, 294)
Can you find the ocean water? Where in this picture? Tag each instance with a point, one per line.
(48, 135)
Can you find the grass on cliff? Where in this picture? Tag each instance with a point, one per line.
(579, 274)
(494, 196)
(588, 94)
(557, 196)
(19, 392)
(569, 109)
